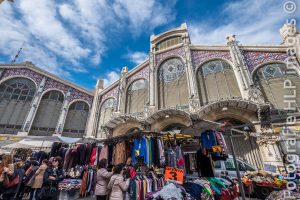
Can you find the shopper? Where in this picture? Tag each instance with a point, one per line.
(36, 181)
(117, 184)
(53, 175)
(19, 166)
(103, 177)
(9, 178)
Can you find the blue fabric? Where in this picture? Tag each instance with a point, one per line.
(208, 139)
(194, 190)
(141, 146)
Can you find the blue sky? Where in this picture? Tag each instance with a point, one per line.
(84, 40)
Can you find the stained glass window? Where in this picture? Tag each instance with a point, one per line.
(138, 85)
(109, 103)
(171, 70)
(270, 71)
(17, 88)
(215, 67)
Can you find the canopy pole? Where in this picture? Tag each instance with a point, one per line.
(236, 166)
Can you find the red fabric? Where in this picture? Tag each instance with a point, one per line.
(93, 156)
(132, 172)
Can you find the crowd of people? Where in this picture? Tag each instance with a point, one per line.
(33, 180)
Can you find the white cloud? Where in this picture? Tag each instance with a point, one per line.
(110, 78)
(253, 22)
(136, 57)
(60, 35)
(145, 14)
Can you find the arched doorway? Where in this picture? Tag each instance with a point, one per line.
(16, 95)
(47, 115)
(76, 119)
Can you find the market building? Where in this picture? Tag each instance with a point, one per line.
(179, 85)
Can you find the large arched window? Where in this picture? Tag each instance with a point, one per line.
(216, 80)
(271, 79)
(46, 117)
(137, 97)
(16, 95)
(76, 119)
(172, 85)
(106, 110)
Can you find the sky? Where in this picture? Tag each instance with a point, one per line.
(86, 40)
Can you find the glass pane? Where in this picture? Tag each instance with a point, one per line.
(217, 164)
(229, 164)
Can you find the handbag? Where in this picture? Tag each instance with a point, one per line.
(12, 182)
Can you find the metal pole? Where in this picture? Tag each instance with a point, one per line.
(237, 167)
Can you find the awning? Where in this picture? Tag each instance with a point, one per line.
(198, 128)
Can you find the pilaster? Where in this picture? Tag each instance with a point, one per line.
(152, 78)
(240, 68)
(92, 125)
(63, 114)
(122, 91)
(194, 102)
(33, 108)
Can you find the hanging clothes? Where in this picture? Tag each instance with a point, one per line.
(119, 155)
(204, 164)
(103, 153)
(140, 150)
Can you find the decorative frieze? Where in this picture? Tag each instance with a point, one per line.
(200, 57)
(143, 73)
(174, 52)
(36, 77)
(253, 59)
(111, 93)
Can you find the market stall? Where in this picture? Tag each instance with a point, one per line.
(184, 161)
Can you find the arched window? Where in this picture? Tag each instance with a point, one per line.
(16, 95)
(137, 97)
(46, 117)
(172, 87)
(216, 80)
(106, 110)
(76, 119)
(271, 79)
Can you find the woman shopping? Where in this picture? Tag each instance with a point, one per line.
(53, 175)
(103, 177)
(118, 184)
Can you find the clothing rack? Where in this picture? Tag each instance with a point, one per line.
(138, 134)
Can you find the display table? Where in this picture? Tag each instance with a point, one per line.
(69, 189)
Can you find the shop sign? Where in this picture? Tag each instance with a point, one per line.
(174, 174)
(216, 148)
(15, 138)
(3, 138)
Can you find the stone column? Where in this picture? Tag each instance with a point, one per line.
(191, 77)
(122, 91)
(63, 114)
(34, 106)
(240, 68)
(92, 125)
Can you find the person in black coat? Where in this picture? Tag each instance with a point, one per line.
(53, 175)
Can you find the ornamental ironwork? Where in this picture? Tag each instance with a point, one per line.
(171, 70)
(215, 67)
(139, 85)
(271, 71)
(109, 103)
(17, 88)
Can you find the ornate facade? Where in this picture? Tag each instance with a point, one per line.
(35, 102)
(181, 84)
